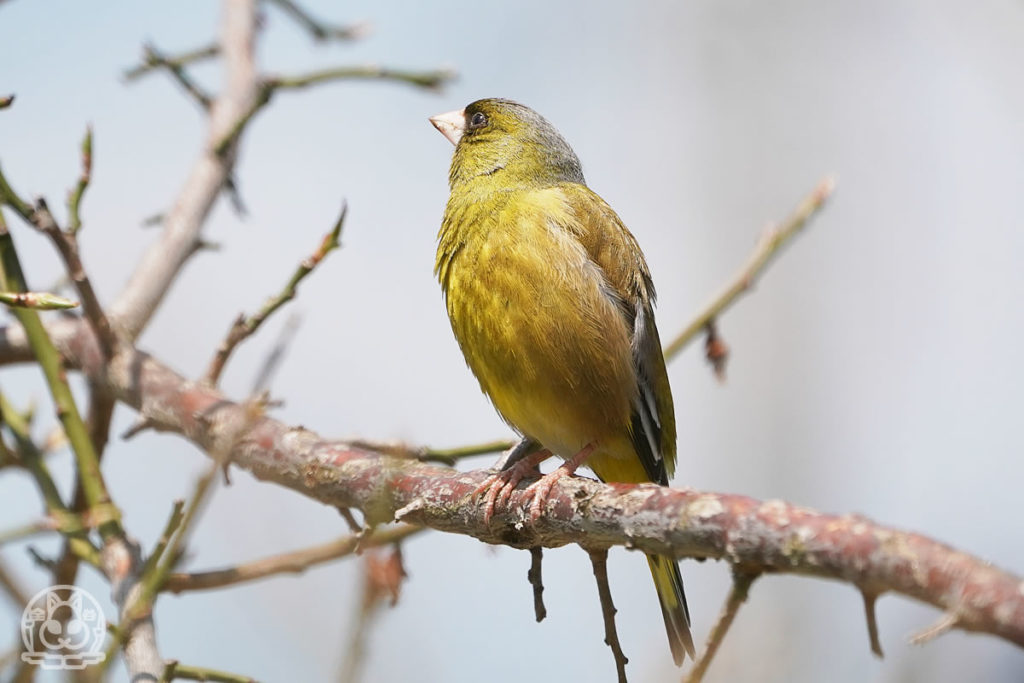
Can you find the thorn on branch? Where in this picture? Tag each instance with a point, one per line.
(741, 581)
(140, 425)
(535, 579)
(415, 506)
(716, 350)
(47, 563)
(870, 597)
(353, 525)
(599, 560)
(946, 622)
(153, 221)
(231, 187)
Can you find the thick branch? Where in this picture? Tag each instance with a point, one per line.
(183, 224)
(770, 536)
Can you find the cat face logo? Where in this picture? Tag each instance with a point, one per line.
(63, 627)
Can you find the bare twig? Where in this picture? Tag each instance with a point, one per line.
(599, 560)
(174, 670)
(870, 598)
(537, 582)
(20, 533)
(741, 581)
(152, 60)
(287, 563)
(244, 327)
(67, 245)
(450, 456)
(447, 456)
(75, 196)
(182, 225)
(430, 80)
(772, 240)
(318, 29)
(67, 411)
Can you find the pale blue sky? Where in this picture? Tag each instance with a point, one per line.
(876, 369)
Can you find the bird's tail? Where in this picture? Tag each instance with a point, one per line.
(669, 584)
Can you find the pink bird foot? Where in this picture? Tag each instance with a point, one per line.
(541, 489)
(499, 486)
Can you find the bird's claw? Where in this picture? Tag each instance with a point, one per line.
(500, 486)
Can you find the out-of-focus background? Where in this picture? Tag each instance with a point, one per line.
(876, 368)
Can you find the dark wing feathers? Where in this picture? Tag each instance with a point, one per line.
(614, 250)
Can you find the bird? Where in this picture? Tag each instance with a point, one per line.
(552, 304)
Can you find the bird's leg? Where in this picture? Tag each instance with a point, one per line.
(500, 485)
(523, 448)
(541, 489)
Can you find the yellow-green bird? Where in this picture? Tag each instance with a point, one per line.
(551, 301)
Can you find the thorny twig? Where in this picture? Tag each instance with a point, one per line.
(741, 581)
(599, 560)
(244, 327)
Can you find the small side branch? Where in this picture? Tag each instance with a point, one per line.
(772, 240)
(174, 670)
(152, 60)
(244, 327)
(40, 301)
(599, 560)
(741, 581)
(287, 563)
(536, 580)
(319, 30)
(431, 80)
(870, 598)
(75, 196)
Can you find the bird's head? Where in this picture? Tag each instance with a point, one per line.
(504, 139)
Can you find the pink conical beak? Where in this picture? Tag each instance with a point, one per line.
(451, 124)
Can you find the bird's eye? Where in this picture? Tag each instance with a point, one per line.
(478, 120)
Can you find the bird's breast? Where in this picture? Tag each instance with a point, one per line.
(531, 315)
